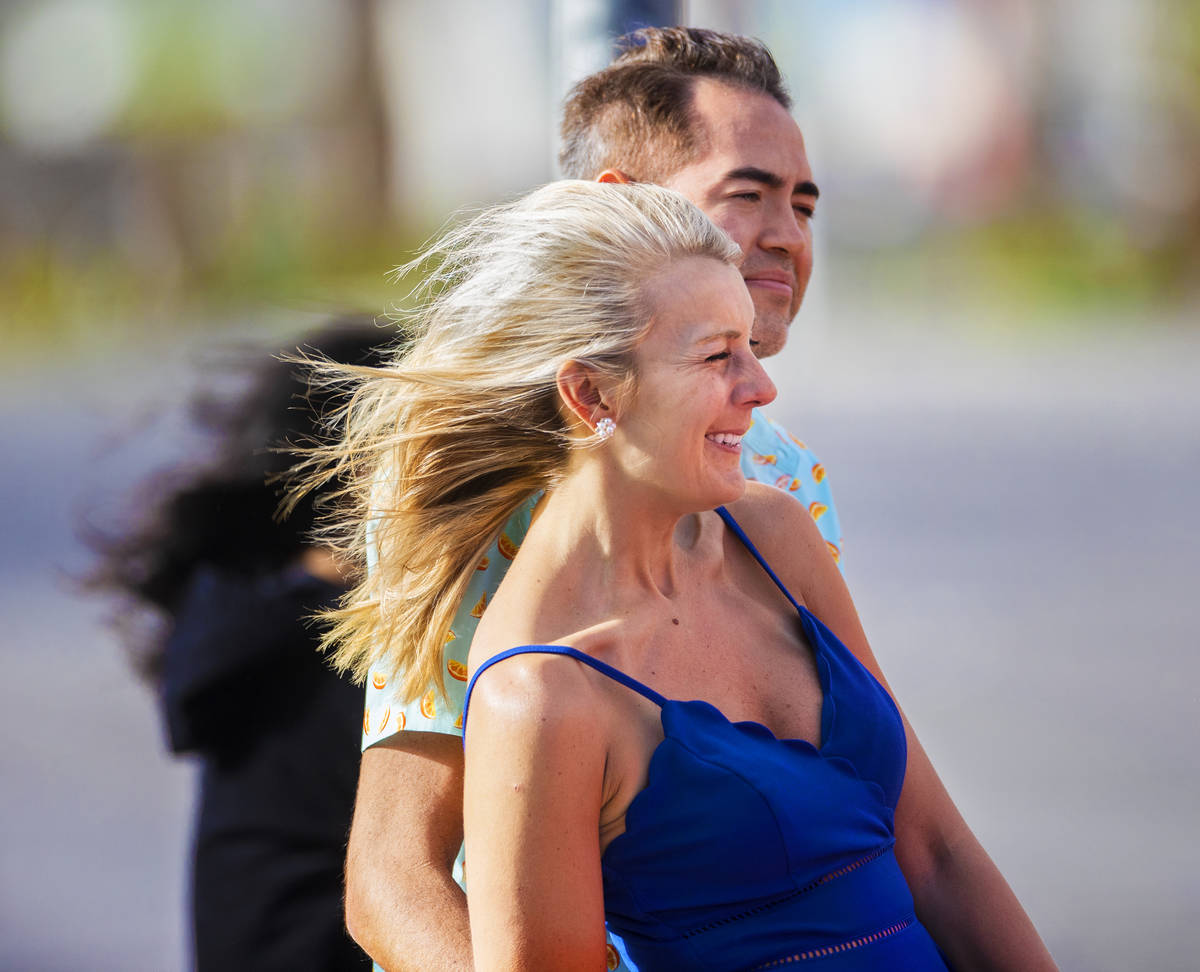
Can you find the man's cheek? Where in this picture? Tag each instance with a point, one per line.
(735, 229)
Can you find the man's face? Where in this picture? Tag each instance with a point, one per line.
(753, 180)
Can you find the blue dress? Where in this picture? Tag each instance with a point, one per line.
(746, 851)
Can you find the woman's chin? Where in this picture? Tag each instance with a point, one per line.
(702, 496)
(728, 492)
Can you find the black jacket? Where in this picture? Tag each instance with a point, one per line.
(278, 732)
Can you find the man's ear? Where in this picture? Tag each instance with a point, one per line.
(580, 392)
(614, 175)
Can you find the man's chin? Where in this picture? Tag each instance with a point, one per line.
(769, 336)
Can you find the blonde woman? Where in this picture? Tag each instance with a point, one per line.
(675, 721)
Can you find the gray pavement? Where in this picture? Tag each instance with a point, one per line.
(1022, 539)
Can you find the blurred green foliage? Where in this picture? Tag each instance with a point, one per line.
(1068, 260)
(237, 78)
(46, 300)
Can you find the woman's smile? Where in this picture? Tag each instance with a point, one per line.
(727, 441)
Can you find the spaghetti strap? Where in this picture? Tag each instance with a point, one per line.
(725, 515)
(604, 669)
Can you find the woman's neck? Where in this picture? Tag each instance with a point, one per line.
(632, 537)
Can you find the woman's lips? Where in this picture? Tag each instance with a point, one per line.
(727, 441)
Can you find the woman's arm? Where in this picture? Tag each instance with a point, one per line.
(535, 760)
(960, 895)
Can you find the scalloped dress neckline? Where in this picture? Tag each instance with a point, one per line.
(742, 851)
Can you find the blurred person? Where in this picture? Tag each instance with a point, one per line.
(217, 598)
(678, 726)
(707, 114)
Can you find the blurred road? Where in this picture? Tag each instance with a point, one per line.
(1023, 543)
(1022, 538)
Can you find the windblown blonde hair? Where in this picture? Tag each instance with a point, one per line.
(441, 445)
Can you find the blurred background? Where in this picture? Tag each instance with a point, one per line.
(997, 362)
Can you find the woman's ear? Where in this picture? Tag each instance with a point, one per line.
(580, 391)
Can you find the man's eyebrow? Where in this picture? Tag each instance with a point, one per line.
(772, 181)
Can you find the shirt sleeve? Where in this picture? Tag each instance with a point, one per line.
(385, 713)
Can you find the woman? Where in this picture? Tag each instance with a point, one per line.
(229, 590)
(661, 733)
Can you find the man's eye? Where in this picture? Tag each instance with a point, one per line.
(750, 196)
(718, 357)
(806, 211)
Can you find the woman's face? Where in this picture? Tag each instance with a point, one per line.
(696, 382)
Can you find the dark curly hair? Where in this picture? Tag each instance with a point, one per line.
(635, 115)
(224, 513)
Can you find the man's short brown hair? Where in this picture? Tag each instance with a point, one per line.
(635, 115)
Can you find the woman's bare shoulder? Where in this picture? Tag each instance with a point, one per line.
(536, 702)
(539, 601)
(773, 518)
(785, 534)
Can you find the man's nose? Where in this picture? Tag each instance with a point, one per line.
(785, 232)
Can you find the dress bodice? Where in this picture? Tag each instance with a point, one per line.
(746, 851)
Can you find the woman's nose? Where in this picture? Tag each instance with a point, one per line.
(756, 387)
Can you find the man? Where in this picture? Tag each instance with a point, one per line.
(705, 114)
